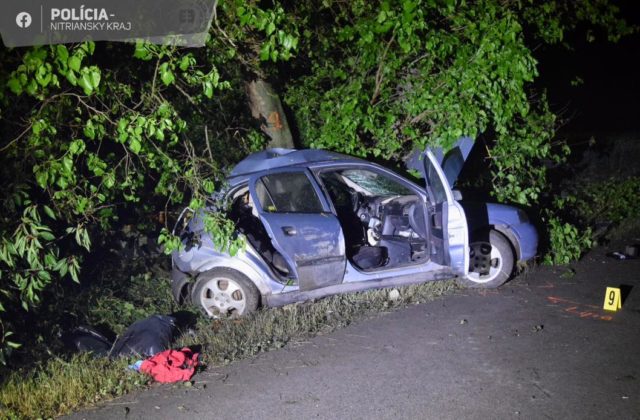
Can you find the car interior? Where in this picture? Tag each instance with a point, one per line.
(245, 216)
(382, 220)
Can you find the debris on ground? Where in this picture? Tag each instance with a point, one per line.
(88, 339)
(630, 252)
(143, 338)
(394, 295)
(171, 365)
(617, 255)
(146, 337)
(150, 338)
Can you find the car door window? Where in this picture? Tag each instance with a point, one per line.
(287, 192)
(438, 191)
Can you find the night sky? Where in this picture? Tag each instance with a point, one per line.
(609, 97)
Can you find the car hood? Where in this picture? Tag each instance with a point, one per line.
(451, 162)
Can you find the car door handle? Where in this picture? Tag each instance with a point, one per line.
(289, 230)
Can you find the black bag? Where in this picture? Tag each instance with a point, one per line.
(87, 339)
(146, 337)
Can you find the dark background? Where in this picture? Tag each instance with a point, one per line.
(608, 100)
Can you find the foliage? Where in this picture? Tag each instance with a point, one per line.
(585, 206)
(119, 306)
(606, 201)
(381, 78)
(566, 241)
(99, 135)
(394, 75)
(89, 143)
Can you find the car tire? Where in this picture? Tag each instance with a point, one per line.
(490, 263)
(223, 292)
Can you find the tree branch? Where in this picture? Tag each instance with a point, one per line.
(379, 72)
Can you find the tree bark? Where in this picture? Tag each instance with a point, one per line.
(266, 106)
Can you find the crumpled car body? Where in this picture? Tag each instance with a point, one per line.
(319, 223)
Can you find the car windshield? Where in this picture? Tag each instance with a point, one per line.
(372, 183)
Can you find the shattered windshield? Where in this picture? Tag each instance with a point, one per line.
(373, 184)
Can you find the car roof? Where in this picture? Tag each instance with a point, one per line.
(282, 158)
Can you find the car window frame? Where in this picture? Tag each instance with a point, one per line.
(253, 180)
(318, 169)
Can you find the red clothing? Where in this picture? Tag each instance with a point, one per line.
(171, 365)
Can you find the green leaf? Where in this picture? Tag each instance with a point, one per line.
(49, 212)
(85, 83)
(89, 130)
(71, 77)
(74, 63)
(142, 52)
(135, 145)
(185, 62)
(208, 89)
(265, 51)
(15, 85)
(270, 28)
(63, 53)
(47, 236)
(95, 77)
(76, 147)
(166, 74)
(13, 344)
(42, 177)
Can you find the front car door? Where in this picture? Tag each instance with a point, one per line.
(301, 226)
(447, 223)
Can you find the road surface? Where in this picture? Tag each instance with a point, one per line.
(540, 347)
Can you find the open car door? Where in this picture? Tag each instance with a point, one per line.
(453, 161)
(448, 231)
(301, 226)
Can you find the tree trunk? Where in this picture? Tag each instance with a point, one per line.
(266, 106)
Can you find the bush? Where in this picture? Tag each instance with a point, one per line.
(586, 212)
(608, 201)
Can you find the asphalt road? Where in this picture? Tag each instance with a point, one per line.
(540, 347)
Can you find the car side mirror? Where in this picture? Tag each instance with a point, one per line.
(457, 195)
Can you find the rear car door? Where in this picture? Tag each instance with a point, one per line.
(447, 223)
(302, 228)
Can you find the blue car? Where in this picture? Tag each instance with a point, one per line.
(319, 223)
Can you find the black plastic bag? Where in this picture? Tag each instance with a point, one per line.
(146, 337)
(88, 339)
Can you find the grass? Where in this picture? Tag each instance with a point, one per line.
(59, 386)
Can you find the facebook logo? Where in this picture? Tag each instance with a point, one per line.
(23, 20)
(187, 16)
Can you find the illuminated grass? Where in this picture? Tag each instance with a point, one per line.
(60, 387)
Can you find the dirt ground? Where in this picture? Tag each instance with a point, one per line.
(540, 347)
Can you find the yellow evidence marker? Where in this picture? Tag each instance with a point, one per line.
(612, 299)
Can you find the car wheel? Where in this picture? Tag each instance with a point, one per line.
(225, 293)
(490, 263)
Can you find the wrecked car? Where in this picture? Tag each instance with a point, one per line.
(319, 223)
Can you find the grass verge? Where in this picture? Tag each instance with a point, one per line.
(59, 386)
